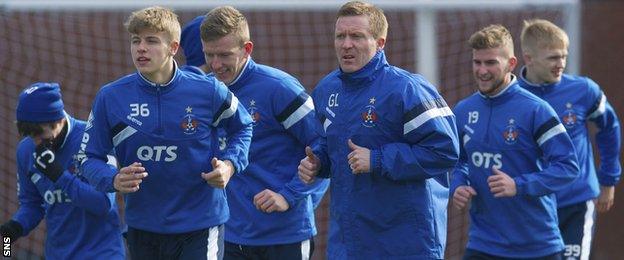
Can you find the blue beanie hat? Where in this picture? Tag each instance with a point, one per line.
(40, 102)
(191, 42)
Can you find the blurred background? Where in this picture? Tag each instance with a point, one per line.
(84, 46)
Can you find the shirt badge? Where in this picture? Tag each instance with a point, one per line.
(511, 132)
(569, 116)
(189, 124)
(253, 112)
(369, 115)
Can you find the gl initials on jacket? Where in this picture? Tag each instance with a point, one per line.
(333, 100)
(487, 160)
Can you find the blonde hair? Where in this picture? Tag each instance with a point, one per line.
(540, 33)
(154, 18)
(376, 18)
(492, 36)
(222, 21)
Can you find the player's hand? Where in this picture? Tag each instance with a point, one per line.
(46, 161)
(12, 229)
(221, 173)
(462, 196)
(129, 178)
(359, 158)
(604, 202)
(501, 185)
(309, 166)
(268, 201)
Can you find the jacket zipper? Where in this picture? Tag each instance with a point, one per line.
(159, 129)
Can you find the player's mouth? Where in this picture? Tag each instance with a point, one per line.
(484, 78)
(142, 61)
(348, 58)
(557, 73)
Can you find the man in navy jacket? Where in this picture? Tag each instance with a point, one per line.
(82, 223)
(163, 121)
(386, 133)
(514, 155)
(272, 209)
(577, 101)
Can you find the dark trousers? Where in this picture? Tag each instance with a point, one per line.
(299, 250)
(201, 244)
(576, 223)
(471, 254)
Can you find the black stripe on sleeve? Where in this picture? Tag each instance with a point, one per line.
(118, 128)
(423, 107)
(292, 107)
(552, 122)
(224, 106)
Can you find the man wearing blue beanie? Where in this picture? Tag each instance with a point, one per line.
(82, 223)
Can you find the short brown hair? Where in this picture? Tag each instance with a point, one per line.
(155, 18)
(540, 33)
(492, 36)
(224, 20)
(376, 18)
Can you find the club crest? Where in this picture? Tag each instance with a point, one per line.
(511, 132)
(569, 116)
(369, 115)
(253, 112)
(189, 124)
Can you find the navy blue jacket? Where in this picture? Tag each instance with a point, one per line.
(172, 130)
(82, 223)
(520, 134)
(389, 212)
(283, 124)
(578, 100)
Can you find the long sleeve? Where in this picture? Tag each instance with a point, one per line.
(83, 195)
(608, 136)
(31, 205)
(235, 120)
(459, 176)
(97, 142)
(296, 114)
(431, 146)
(560, 167)
(320, 147)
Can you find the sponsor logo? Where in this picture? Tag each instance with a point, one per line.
(157, 153)
(487, 160)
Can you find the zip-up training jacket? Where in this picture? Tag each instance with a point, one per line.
(387, 213)
(578, 100)
(519, 134)
(82, 223)
(283, 124)
(171, 130)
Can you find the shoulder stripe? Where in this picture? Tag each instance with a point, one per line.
(296, 110)
(123, 135)
(424, 112)
(551, 128)
(227, 109)
(598, 108)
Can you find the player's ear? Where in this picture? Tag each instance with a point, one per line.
(248, 47)
(174, 46)
(381, 43)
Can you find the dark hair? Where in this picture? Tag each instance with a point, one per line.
(32, 128)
